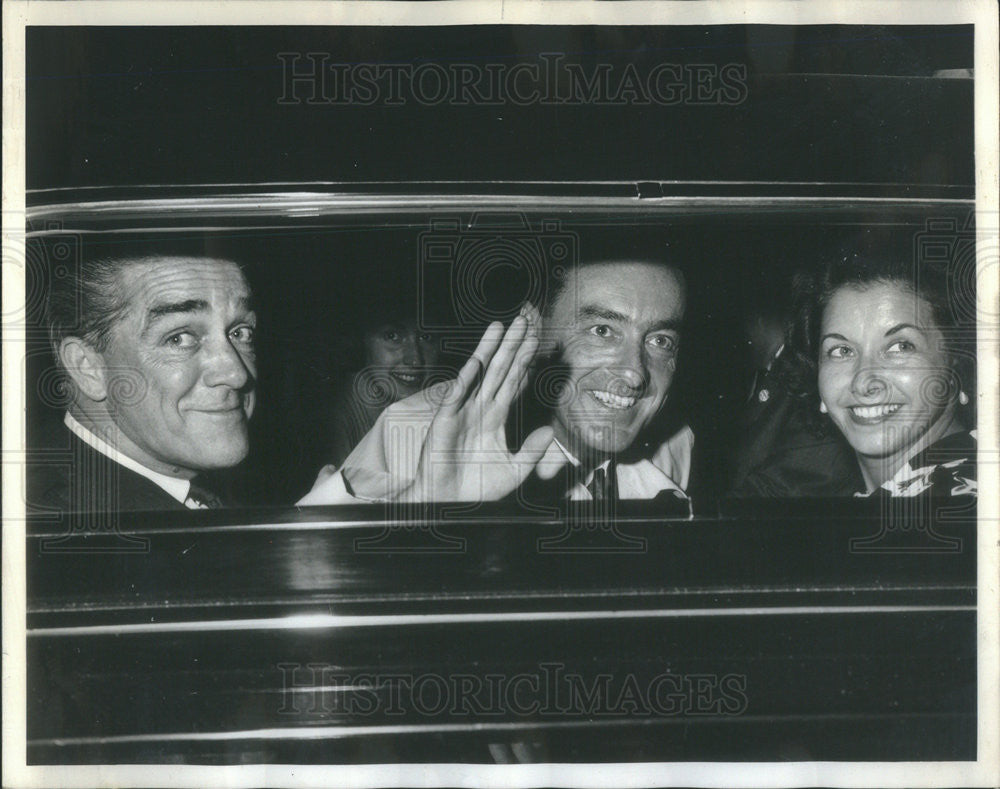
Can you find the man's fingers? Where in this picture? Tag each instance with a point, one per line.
(502, 360)
(518, 375)
(467, 376)
(532, 449)
(528, 351)
(531, 313)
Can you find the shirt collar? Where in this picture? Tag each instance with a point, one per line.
(582, 482)
(566, 453)
(177, 488)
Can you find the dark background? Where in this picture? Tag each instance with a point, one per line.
(835, 103)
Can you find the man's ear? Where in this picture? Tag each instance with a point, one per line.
(85, 366)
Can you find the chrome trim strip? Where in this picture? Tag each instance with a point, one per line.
(328, 621)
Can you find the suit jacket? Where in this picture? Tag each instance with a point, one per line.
(81, 479)
(350, 416)
(780, 455)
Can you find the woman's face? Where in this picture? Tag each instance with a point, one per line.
(884, 375)
(402, 354)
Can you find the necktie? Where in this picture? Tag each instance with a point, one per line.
(202, 496)
(603, 485)
(598, 485)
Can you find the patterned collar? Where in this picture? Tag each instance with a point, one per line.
(947, 467)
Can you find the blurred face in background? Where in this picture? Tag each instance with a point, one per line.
(765, 334)
(400, 356)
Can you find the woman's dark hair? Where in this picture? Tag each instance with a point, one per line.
(370, 309)
(862, 268)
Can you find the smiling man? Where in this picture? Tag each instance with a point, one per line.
(159, 355)
(607, 349)
(616, 330)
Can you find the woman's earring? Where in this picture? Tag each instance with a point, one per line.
(963, 398)
(822, 407)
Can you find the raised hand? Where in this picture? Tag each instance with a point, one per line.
(465, 455)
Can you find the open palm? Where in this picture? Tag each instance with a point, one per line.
(465, 455)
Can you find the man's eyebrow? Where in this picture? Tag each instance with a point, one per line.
(189, 305)
(668, 325)
(901, 326)
(603, 313)
(157, 311)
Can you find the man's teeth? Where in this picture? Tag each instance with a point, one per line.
(409, 379)
(613, 400)
(874, 411)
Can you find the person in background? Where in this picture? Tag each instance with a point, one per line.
(398, 358)
(778, 451)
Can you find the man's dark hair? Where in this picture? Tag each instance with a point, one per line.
(90, 300)
(87, 303)
(558, 281)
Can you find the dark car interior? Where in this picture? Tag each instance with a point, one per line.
(314, 284)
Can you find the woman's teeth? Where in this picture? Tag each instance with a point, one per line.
(874, 411)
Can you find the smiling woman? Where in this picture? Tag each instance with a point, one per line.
(877, 345)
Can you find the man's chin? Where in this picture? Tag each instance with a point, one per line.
(219, 461)
(604, 441)
(221, 453)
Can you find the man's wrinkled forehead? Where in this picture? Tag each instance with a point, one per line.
(159, 286)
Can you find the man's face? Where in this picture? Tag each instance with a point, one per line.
(180, 366)
(617, 326)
